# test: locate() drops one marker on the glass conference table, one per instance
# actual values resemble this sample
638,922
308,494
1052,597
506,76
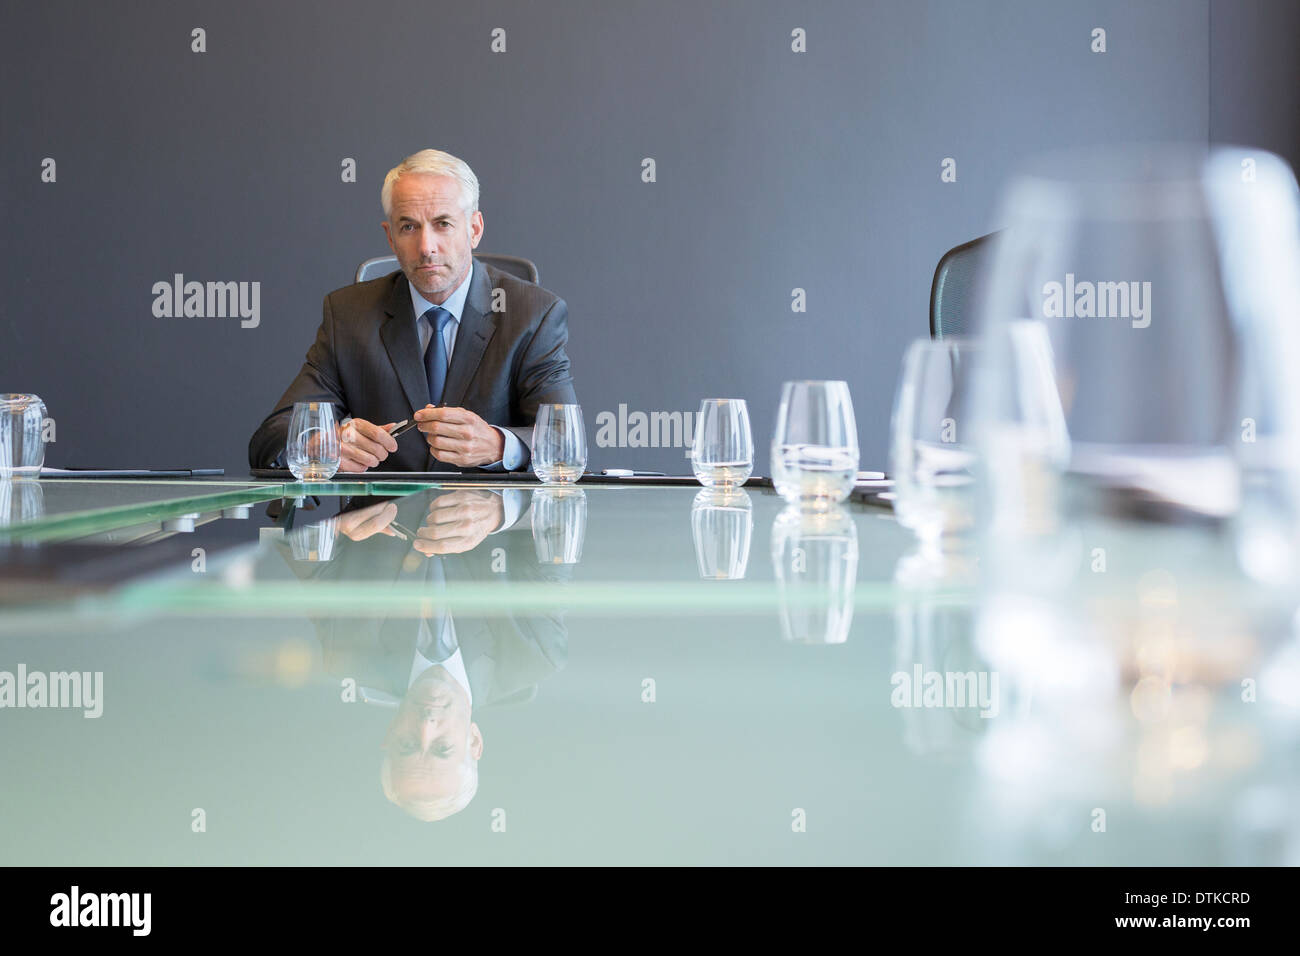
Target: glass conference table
477,673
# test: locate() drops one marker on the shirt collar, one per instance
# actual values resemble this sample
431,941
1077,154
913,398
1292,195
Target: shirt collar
455,666
455,303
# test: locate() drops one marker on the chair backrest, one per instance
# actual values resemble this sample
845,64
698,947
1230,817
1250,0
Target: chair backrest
518,267
953,291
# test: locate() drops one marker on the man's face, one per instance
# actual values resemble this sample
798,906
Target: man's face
431,234
431,742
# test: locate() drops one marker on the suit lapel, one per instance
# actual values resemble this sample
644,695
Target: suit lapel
476,330
403,344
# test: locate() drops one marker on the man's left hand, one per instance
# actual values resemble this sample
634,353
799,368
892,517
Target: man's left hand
459,437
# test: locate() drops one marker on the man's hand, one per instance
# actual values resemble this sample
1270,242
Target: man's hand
458,521
364,522
459,437
364,444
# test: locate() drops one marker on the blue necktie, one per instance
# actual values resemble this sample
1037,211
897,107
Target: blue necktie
435,356
439,645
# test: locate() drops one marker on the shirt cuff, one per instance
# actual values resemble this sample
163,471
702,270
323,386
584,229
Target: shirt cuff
513,455
512,505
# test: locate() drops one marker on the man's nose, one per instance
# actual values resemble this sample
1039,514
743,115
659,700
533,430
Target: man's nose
429,727
428,243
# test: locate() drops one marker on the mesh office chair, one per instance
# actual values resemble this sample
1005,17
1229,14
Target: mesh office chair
953,291
524,269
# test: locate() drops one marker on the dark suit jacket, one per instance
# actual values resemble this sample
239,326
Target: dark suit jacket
505,652
367,361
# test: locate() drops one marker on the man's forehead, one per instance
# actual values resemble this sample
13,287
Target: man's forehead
423,191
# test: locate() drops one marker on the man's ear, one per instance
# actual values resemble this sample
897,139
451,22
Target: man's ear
388,234
475,229
475,742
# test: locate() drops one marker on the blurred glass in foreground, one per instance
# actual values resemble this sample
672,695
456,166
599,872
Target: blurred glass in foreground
1166,282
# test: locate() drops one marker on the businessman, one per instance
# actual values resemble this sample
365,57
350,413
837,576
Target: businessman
464,349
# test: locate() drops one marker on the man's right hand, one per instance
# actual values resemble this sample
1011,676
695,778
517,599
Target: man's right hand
364,444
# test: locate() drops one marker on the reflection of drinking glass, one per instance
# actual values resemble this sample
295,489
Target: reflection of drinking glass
21,501
723,450
313,450
559,444
559,524
815,445
931,452
315,542
934,635
22,446
815,558
722,523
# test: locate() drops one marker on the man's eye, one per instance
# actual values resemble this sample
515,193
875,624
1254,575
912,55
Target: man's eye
407,227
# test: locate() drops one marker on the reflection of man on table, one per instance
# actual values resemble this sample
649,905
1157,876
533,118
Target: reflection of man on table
439,667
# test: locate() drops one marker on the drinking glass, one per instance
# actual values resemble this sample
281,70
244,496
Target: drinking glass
723,451
722,524
559,444
22,445
932,455
815,445
313,450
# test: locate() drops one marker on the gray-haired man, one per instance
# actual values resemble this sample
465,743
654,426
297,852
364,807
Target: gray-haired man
464,349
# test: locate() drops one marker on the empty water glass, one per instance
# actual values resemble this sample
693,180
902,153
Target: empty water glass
22,443
815,445
559,444
723,451
313,449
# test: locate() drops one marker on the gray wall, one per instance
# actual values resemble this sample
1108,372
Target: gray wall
775,170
